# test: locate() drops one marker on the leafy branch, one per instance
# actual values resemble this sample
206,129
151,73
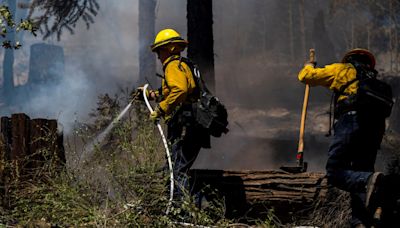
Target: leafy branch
7,24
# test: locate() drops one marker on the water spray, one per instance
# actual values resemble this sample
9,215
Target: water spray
171,194
100,138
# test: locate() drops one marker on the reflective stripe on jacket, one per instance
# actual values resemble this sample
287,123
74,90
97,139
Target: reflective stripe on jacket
333,76
177,86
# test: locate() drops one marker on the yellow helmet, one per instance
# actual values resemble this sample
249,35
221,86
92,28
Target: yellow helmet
168,36
366,55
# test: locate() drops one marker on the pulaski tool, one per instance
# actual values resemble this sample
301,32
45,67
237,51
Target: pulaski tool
301,165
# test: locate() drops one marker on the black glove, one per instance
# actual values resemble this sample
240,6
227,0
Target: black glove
138,94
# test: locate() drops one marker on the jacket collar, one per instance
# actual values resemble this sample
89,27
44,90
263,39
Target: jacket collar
169,59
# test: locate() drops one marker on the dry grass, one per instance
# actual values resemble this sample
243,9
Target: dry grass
122,185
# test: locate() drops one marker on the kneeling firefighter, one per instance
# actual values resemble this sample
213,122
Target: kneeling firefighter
361,103
175,101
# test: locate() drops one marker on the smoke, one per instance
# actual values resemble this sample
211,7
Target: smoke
67,100
103,59
258,53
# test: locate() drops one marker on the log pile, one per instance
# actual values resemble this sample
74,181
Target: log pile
252,192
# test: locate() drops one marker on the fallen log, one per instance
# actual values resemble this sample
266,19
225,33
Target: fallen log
253,193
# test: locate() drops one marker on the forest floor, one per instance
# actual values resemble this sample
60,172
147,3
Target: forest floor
121,182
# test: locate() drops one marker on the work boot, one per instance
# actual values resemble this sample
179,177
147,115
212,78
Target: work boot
374,197
374,190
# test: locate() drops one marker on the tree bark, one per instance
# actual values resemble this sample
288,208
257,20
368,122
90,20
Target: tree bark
29,143
147,60
244,190
200,37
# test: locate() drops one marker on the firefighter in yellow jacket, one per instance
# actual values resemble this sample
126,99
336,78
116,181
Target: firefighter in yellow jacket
175,99
357,134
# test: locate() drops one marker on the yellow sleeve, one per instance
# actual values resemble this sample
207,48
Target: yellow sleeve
178,87
318,76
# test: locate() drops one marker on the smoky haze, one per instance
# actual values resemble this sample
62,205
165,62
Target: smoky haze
100,60
259,50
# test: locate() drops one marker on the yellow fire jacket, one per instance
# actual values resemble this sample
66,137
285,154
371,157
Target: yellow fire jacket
332,76
177,86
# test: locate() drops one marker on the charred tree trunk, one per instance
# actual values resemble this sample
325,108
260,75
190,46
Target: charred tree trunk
8,62
147,61
28,144
200,36
46,70
28,148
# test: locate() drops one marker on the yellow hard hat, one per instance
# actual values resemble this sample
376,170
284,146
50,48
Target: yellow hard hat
369,57
168,36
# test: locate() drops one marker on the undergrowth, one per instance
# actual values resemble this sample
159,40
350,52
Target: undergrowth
120,182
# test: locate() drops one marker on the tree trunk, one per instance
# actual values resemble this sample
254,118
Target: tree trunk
396,37
22,14
29,143
322,41
200,37
291,34
27,148
46,64
8,62
302,30
147,60
391,36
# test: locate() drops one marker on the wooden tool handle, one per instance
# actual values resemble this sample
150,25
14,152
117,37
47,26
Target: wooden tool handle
304,110
303,119
312,55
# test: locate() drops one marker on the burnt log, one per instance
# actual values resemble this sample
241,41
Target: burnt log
250,193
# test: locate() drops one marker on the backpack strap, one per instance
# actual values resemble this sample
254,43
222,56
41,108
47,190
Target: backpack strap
196,75
344,87
333,104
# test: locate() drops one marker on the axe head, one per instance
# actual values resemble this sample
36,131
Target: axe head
296,168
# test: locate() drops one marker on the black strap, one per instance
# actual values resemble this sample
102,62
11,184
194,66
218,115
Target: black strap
196,75
344,87
334,99
331,106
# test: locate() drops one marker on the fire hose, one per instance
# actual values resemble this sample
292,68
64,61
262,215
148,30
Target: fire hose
171,194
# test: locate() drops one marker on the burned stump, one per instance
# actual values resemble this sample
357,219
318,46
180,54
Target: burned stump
29,144
46,64
252,193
